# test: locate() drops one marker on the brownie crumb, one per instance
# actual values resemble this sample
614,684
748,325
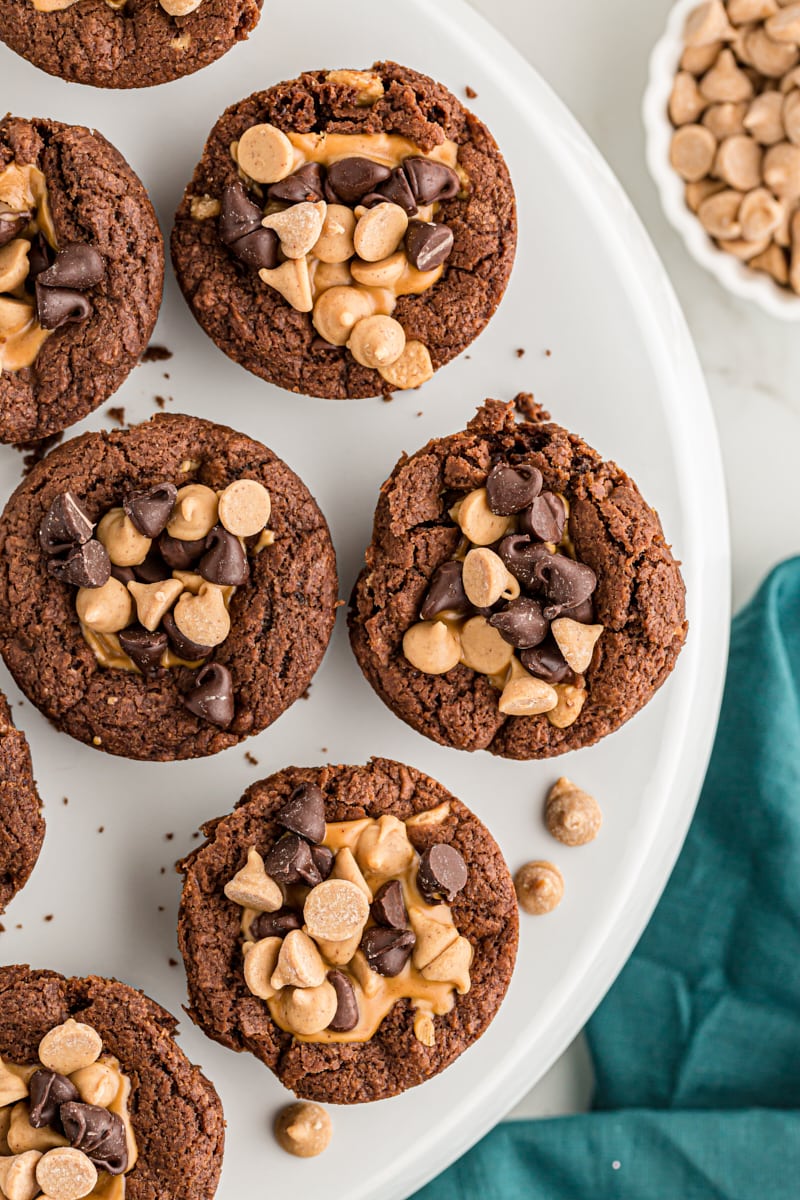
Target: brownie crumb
548,353
2,927
49,917
470,93
156,354
161,908
66,799
251,758
173,962
117,413
33,452
101,828
168,837
520,353
18,927
159,401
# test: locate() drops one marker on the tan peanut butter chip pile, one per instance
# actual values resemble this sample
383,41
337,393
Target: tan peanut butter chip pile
342,225
571,815
156,577
303,1129
341,920
64,1121
514,604
735,105
539,887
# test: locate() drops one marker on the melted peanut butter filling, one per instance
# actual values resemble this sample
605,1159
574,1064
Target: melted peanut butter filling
388,149
23,189
109,653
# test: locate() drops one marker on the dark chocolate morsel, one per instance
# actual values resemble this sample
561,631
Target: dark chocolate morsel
83,566
100,1134
144,648
565,583
545,519
225,561
306,184
521,556
48,1091
323,860
583,613
276,924
387,950
211,697
77,266
290,861
431,181
60,306
180,555
149,511
511,489
352,178
388,907
521,623
304,812
396,189
548,663
238,214
125,575
442,873
184,647
346,1016
445,592
258,249
65,524
40,257
152,570
428,245
11,225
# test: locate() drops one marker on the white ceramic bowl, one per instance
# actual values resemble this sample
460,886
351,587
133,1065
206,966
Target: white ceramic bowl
734,275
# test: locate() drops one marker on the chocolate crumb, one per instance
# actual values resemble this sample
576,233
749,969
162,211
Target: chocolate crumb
548,353
49,917
2,927
520,353
156,354
159,401
470,93
66,799
324,749
169,836
163,871
117,413
101,828
196,834
173,962
161,908
18,927
251,758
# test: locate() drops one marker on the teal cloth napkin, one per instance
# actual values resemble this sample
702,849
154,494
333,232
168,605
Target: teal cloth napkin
697,1045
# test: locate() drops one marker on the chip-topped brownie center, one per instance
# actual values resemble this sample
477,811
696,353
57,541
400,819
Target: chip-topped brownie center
342,920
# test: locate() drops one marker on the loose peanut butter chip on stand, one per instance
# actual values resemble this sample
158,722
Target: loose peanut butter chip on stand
252,887
18,1176
265,154
244,507
572,815
303,1129
335,910
66,1174
539,887
70,1046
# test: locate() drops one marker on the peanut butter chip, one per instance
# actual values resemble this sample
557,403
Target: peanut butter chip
452,966
740,12
265,154
707,23
763,119
725,120
298,227
66,1174
379,232
424,1030
260,961
572,815
335,910
106,609
346,867
525,696
482,647
303,1129
244,507
153,600
486,579
367,85
719,214
252,887
97,1084
125,545
179,8
576,642
383,848
382,273
686,103
760,214
203,618
411,369
477,521
539,887
18,1176
337,311
377,341
692,151
22,1136
335,242
14,264
571,700
11,1087
309,1010
194,514
782,170
434,931
432,647
299,964
14,315
293,282
70,1046
784,26
771,58
738,162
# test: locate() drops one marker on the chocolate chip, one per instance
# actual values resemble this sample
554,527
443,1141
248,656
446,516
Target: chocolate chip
258,249
521,623
40,256
304,812
48,1091
565,583
306,184
76,266
11,225
152,570
396,190
428,245
445,592
387,950
125,575
184,647
149,511
583,613
225,561
212,695
100,1134
290,861
83,566
323,860
59,306
388,907
346,1016
351,178
65,524
548,663
238,214
180,555
276,924
144,648
512,489
442,873
545,519
521,557
431,181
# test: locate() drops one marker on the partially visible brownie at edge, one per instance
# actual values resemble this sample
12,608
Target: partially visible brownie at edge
639,598
21,820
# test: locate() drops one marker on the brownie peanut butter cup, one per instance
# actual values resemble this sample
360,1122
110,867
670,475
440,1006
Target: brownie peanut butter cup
96,1097
81,274
348,232
125,43
353,927
518,594
166,590
21,821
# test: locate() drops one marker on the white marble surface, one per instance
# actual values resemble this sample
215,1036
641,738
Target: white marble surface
595,56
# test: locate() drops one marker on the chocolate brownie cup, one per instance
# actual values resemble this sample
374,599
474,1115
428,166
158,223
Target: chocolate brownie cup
353,927
348,232
21,821
518,594
81,274
166,590
96,1096
125,43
